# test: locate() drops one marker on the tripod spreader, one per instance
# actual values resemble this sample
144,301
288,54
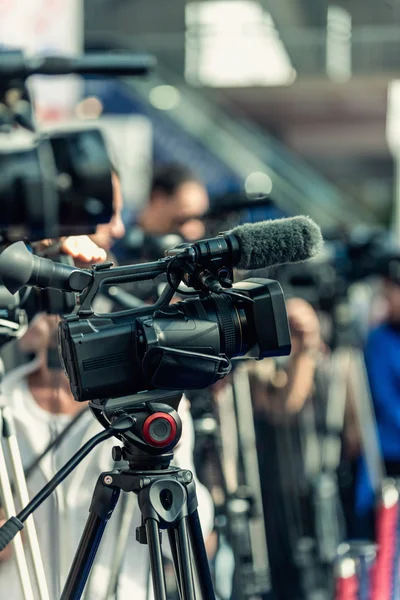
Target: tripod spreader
15,524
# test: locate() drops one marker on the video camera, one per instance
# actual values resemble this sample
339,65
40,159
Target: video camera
186,345
58,183
52,184
348,258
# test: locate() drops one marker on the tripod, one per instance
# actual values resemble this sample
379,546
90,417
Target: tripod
230,443
242,481
149,427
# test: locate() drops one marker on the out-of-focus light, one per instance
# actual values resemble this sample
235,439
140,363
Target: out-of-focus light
234,43
164,97
258,185
89,108
338,44
393,141
393,116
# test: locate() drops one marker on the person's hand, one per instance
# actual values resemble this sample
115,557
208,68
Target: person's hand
83,249
80,247
304,326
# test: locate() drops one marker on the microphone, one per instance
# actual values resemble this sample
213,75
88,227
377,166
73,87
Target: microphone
258,245
277,242
249,247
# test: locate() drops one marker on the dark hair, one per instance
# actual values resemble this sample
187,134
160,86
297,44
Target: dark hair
169,177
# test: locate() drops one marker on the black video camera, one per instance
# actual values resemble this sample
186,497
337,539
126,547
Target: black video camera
186,345
59,183
52,184
347,258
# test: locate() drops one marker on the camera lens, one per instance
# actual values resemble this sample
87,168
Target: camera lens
231,317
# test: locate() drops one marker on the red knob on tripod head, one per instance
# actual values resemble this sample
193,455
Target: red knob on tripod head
159,430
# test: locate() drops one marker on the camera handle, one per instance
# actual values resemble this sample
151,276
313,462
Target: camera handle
103,274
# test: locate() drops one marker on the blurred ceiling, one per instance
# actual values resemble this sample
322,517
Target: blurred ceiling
317,116
338,127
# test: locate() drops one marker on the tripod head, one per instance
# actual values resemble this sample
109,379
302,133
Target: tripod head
149,427
155,430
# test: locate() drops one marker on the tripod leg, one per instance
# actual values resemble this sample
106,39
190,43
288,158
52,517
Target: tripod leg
200,557
121,544
8,503
185,567
174,552
156,562
23,497
103,503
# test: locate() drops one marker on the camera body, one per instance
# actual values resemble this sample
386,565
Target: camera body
186,345
54,185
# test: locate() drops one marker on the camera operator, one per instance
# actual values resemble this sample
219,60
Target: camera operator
43,405
279,392
94,248
292,386
177,202
173,213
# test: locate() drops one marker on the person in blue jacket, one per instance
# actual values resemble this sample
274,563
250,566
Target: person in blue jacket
382,358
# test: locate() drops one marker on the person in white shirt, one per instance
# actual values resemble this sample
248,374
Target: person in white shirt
42,406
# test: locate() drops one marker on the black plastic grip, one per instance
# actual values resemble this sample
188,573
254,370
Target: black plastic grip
94,64
9,531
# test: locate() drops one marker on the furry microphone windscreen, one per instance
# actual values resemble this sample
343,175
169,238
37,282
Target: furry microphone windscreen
277,242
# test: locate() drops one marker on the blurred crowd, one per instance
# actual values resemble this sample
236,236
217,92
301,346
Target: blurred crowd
309,414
